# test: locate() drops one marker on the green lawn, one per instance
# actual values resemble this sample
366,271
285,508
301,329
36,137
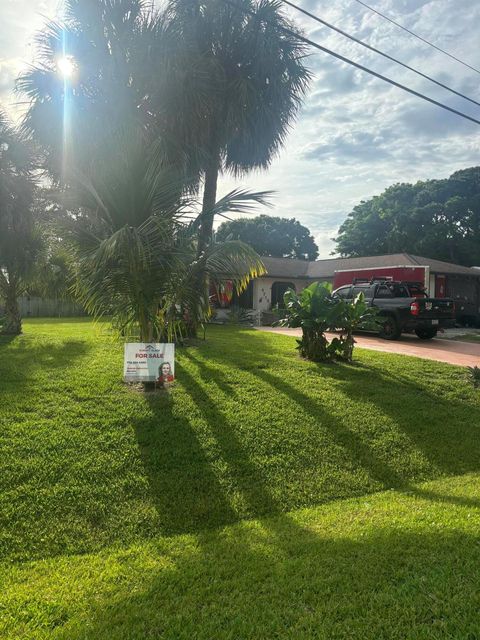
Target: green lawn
467,337
265,497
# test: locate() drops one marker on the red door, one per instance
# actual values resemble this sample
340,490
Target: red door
440,286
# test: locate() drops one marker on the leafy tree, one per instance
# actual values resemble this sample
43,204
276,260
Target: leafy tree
272,236
20,243
437,218
247,78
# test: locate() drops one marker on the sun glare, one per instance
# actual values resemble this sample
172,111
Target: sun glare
66,66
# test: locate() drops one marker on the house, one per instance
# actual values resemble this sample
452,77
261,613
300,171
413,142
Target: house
442,279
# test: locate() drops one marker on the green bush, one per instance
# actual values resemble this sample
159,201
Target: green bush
316,311
355,315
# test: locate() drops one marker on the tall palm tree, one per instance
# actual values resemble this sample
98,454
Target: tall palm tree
108,140
241,90
135,245
19,242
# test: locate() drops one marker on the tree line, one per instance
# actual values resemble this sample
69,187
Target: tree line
434,218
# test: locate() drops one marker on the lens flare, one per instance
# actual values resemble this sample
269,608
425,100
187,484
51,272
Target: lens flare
66,66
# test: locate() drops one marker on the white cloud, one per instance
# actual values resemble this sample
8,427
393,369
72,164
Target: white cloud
19,20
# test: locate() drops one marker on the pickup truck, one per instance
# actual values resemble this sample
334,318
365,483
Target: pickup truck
404,307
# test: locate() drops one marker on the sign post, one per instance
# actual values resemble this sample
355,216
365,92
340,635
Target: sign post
149,362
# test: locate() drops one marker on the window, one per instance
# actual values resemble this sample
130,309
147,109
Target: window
343,292
220,294
367,291
401,291
278,290
223,295
416,290
384,292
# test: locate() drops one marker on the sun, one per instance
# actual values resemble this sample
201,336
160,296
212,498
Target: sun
66,66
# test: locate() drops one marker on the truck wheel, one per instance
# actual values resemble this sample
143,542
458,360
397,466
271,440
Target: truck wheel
426,334
389,329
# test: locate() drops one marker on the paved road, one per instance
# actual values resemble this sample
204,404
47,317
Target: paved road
461,353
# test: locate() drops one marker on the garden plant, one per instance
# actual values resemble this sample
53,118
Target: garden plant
315,311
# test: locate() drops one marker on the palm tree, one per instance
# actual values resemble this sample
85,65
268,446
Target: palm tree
19,242
241,87
93,71
107,137
135,244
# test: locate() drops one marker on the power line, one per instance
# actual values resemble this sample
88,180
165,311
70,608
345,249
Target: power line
400,26
315,45
375,50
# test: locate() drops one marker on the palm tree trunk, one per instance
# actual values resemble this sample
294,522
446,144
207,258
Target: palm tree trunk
13,320
206,226
146,329
209,200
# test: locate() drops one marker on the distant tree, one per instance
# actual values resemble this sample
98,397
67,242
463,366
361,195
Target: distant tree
20,244
436,218
53,277
272,236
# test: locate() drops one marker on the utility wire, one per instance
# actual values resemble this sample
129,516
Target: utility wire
385,55
315,45
412,33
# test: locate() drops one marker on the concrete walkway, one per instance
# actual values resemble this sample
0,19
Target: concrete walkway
464,354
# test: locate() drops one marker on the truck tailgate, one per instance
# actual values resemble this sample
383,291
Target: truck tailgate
436,308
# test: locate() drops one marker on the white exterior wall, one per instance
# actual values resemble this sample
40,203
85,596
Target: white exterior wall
431,288
262,290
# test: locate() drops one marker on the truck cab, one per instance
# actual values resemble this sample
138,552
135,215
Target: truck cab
404,307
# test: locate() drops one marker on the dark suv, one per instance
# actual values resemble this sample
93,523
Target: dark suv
404,306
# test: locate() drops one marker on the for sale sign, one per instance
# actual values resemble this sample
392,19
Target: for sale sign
149,362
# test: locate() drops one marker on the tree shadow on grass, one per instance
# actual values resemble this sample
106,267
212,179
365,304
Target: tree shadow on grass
281,579
203,475
183,487
452,446
19,366
187,492
444,429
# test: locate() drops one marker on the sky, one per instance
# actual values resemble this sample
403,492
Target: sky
355,135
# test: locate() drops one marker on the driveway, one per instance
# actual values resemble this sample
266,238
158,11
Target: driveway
464,354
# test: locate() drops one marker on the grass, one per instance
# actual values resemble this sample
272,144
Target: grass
467,337
265,497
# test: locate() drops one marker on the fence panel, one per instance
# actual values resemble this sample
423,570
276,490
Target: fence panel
33,307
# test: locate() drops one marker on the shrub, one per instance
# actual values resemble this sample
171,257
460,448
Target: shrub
354,316
316,311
